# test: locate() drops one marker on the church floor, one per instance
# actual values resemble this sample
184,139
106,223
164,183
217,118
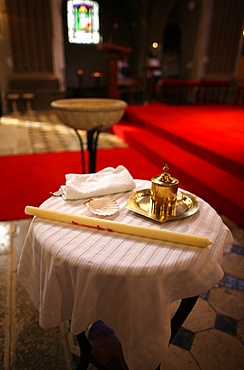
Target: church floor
211,338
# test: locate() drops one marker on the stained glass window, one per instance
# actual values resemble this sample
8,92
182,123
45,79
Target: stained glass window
83,22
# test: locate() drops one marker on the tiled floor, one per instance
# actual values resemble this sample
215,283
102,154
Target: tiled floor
211,338
39,132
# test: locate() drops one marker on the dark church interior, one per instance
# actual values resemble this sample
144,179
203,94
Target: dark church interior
177,68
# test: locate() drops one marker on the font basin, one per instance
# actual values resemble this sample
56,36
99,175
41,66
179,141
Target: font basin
89,113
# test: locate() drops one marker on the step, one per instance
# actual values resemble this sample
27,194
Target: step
219,188
218,141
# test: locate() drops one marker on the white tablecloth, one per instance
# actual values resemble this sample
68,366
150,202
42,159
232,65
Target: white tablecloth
83,275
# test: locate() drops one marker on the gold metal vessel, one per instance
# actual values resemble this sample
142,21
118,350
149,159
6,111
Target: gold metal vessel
164,195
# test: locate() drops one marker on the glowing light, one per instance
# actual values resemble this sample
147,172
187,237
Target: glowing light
155,45
80,72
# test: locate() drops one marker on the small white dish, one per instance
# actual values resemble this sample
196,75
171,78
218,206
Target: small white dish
102,206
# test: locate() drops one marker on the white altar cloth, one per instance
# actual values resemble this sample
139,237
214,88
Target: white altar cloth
83,275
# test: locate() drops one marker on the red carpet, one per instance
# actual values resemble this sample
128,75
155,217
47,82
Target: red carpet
203,146
28,179
215,133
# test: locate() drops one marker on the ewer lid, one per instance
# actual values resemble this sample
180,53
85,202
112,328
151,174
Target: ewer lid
165,179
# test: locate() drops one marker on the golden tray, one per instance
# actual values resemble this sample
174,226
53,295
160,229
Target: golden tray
139,202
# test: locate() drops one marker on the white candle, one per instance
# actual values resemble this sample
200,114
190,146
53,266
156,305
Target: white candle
112,226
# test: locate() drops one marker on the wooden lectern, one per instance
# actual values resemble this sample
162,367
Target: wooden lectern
114,52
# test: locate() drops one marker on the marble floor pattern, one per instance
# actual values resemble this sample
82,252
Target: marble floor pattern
211,338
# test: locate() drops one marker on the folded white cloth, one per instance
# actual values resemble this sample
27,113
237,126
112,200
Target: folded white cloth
107,181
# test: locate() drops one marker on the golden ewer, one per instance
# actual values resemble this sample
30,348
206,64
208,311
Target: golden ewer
163,195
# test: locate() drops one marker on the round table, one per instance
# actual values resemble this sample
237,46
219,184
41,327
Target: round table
84,275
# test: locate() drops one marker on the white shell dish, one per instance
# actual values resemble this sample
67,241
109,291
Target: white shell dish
102,206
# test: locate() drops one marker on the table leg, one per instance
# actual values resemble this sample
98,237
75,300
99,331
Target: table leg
85,351
181,314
